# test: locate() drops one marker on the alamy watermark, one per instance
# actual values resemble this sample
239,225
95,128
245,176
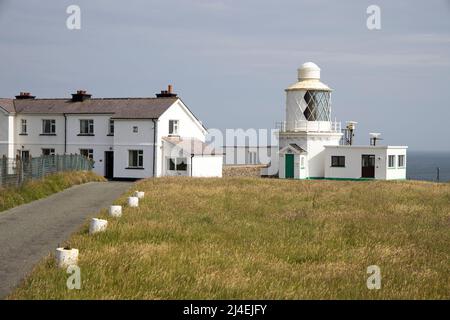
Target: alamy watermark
73,21
374,280
74,280
374,19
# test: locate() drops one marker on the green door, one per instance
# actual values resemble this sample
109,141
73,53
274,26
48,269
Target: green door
289,166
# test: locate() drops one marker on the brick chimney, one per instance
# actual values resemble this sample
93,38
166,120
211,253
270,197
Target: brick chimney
80,96
25,95
167,93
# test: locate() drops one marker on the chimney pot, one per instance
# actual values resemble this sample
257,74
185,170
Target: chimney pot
25,95
81,95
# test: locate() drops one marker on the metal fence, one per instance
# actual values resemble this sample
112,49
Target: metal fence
14,172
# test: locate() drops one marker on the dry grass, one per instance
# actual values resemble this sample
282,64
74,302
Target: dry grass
37,189
244,238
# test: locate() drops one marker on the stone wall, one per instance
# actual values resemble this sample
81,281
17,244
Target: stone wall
242,170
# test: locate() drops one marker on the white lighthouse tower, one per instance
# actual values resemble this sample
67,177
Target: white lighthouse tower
308,127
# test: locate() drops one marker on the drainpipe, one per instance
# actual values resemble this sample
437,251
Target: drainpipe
65,133
154,145
192,156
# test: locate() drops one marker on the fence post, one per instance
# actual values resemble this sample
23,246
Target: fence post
43,166
4,167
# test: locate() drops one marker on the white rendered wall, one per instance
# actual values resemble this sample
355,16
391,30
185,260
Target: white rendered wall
316,155
396,173
299,171
99,142
6,135
314,144
34,141
353,155
125,139
207,166
188,127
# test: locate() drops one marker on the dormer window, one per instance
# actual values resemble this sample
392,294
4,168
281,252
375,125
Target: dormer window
173,127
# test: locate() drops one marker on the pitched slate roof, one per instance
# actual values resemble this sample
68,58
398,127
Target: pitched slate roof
297,147
294,146
121,108
7,105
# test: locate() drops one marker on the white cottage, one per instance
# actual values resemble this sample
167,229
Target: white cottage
126,137
312,146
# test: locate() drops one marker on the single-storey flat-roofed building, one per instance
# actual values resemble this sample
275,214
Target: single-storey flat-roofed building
125,137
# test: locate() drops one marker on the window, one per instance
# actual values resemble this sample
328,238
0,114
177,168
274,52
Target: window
401,161
172,163
48,152
135,158
391,161
86,126
23,127
48,126
338,161
173,127
181,164
25,154
111,127
317,106
177,164
88,153
135,129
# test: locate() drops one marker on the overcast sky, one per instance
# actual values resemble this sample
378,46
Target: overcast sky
231,60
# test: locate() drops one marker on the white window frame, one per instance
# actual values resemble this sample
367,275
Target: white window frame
51,151
23,126
52,126
403,162
391,165
177,161
111,127
88,152
338,165
139,158
90,126
175,126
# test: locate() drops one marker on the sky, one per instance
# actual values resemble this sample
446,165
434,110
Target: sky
230,60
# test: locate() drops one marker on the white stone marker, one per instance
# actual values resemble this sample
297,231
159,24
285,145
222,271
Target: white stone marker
133,202
66,257
97,225
139,194
115,211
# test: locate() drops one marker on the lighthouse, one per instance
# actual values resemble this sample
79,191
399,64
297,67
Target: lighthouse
313,146
308,127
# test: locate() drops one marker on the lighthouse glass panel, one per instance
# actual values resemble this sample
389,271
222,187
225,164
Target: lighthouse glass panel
317,106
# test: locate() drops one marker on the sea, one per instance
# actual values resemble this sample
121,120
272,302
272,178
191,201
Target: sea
423,165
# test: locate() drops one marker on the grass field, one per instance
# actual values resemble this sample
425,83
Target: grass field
37,189
263,239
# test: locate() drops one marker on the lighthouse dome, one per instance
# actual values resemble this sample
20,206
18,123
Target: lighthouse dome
309,79
308,71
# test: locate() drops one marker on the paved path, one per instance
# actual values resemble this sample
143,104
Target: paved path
31,231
